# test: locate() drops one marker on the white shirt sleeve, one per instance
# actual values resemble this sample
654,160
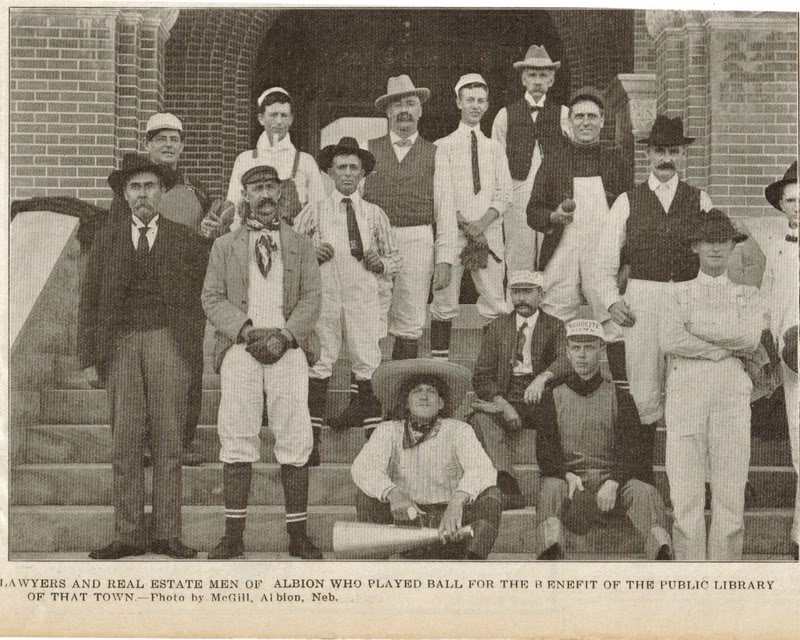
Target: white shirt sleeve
235,183
479,472
315,188
446,242
612,240
370,469
705,202
501,198
500,127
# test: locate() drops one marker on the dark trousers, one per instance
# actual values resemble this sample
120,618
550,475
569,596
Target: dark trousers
148,378
196,366
483,514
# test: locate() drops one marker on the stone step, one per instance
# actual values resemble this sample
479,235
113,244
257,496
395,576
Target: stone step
70,529
330,484
61,443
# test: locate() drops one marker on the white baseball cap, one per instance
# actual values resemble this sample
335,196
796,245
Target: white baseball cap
264,94
160,121
585,328
524,279
470,78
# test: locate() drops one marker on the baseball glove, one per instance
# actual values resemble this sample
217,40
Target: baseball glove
267,345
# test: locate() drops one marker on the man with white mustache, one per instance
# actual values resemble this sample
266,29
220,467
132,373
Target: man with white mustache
646,235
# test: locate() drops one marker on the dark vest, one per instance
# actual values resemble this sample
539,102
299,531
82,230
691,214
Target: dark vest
523,133
656,245
404,190
143,306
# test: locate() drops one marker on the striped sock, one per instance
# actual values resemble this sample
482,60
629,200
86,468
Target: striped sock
236,478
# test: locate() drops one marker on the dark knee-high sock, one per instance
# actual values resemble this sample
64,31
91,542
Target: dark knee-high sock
616,363
236,478
295,491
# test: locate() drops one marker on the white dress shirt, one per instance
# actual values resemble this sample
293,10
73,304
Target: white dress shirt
401,151
151,233
525,367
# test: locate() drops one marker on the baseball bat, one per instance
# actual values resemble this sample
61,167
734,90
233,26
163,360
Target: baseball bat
353,540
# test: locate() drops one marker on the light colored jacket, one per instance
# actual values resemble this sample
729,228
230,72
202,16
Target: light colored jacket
225,289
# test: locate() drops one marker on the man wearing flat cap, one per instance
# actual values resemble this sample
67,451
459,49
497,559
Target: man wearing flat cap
422,466
521,353
262,294
710,329
528,130
585,447
409,187
298,170
646,234
477,177
777,239
572,195
354,245
139,297
187,202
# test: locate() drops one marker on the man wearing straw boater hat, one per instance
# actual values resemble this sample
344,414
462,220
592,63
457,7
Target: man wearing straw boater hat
710,329
408,187
585,447
422,466
528,129
355,245
301,179
477,177
647,228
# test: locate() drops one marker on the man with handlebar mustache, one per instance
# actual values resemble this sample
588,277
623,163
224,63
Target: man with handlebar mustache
647,235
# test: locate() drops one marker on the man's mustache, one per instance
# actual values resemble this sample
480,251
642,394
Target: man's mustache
265,200
143,204
405,116
666,165
523,305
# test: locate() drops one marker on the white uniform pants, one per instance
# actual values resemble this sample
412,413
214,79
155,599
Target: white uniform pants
790,393
708,423
522,242
405,303
644,360
488,282
349,293
244,383
570,271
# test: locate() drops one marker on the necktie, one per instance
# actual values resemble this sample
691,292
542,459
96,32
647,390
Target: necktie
143,248
404,142
521,342
535,108
265,245
353,235
476,171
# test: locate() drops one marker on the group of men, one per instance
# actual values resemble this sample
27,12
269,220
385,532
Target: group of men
546,219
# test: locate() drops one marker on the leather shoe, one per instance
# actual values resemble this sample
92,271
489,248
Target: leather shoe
228,548
553,552
173,548
664,553
300,546
115,551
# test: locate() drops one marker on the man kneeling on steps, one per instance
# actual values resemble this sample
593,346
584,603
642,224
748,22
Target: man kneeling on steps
585,447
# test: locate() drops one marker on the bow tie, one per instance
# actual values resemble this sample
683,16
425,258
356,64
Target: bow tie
791,238
535,108
404,142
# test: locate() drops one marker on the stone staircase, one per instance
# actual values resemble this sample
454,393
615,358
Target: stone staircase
61,482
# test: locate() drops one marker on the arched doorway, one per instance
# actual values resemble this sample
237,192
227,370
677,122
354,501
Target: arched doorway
335,63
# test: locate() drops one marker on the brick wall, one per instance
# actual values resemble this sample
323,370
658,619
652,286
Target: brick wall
644,55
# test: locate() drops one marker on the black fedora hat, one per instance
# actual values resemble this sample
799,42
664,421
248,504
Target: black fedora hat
667,132
714,226
133,163
774,192
347,146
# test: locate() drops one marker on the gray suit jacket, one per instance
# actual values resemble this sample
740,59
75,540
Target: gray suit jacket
225,289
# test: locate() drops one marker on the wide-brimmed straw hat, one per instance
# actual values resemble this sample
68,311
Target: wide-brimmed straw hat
399,87
774,192
392,378
537,58
347,146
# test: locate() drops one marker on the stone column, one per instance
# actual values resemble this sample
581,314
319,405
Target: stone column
631,98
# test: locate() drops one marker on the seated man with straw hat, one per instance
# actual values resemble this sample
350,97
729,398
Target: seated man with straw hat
424,467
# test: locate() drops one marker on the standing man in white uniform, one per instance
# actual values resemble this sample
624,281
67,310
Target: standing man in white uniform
409,187
355,244
477,177
274,148
646,233
262,294
528,129
708,328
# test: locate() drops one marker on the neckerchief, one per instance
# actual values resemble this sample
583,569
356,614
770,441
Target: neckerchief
265,245
415,433
584,387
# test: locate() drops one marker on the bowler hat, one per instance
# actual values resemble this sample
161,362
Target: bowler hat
399,87
133,163
537,58
713,226
347,146
392,378
667,132
774,192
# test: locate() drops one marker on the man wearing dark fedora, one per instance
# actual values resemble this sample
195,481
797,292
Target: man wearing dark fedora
710,329
424,467
585,444
777,239
528,130
646,234
354,245
572,195
262,294
409,187
139,296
